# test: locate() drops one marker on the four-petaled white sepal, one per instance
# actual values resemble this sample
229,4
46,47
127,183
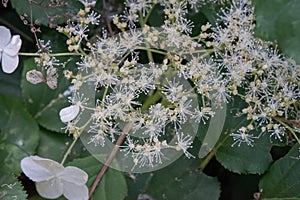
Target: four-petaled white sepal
9,48
53,180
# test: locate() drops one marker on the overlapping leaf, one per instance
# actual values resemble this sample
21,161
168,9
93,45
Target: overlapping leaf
47,11
10,187
180,180
41,101
18,134
279,21
282,180
243,159
112,186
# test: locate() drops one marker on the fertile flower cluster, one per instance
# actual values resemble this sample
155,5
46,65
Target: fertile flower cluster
264,79
152,101
154,105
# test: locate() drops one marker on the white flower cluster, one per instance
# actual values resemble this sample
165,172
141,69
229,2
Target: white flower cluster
267,81
154,103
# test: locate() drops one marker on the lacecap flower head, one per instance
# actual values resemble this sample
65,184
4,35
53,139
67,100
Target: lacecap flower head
53,179
9,48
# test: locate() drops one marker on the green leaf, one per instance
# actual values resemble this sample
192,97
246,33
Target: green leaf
112,186
42,102
180,180
210,11
45,12
18,134
10,83
10,188
282,180
198,18
187,184
278,20
243,159
232,121
240,159
246,159
53,146
214,130
156,18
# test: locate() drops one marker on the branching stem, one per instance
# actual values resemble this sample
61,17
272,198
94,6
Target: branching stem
51,54
74,141
110,158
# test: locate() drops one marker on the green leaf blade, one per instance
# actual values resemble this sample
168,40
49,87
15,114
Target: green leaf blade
19,134
180,180
278,21
282,180
46,14
246,159
42,102
11,188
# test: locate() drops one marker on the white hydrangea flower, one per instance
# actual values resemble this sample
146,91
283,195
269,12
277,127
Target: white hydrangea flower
9,48
69,113
53,179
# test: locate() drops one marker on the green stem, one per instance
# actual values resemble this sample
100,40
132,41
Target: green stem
110,158
69,150
203,101
290,129
104,95
149,53
208,51
150,101
149,12
81,52
212,153
74,141
205,51
195,37
151,50
143,22
141,19
51,54
124,57
48,106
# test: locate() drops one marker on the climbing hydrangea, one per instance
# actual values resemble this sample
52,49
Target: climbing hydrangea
153,102
145,90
